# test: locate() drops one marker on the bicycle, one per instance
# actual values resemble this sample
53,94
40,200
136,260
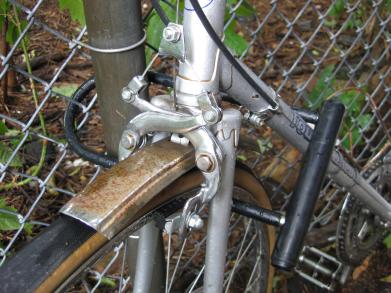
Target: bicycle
168,182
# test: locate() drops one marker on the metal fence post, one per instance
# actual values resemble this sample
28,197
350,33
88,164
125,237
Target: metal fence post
114,24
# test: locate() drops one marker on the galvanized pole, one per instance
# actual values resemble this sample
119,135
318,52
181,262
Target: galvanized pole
111,25
118,24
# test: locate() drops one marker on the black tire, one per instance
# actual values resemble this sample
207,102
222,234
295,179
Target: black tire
52,257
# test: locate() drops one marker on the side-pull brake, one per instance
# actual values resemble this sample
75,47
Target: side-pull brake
159,115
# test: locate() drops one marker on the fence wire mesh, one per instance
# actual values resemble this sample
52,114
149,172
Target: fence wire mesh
308,51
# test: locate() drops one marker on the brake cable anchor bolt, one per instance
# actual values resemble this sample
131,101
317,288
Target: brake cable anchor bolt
127,95
172,33
133,89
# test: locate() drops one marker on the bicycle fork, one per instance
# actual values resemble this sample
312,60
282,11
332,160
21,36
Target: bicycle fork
197,92
220,206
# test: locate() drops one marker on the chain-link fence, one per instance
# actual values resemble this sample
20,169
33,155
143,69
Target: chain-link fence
308,51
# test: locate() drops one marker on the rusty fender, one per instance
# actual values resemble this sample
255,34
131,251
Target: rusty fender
116,195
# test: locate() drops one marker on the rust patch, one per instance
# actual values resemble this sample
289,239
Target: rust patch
118,194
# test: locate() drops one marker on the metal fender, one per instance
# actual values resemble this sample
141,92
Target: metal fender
117,194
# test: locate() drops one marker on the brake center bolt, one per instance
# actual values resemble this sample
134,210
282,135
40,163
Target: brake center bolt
195,222
210,116
205,163
128,141
172,33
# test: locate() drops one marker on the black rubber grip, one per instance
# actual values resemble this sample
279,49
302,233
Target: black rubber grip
301,205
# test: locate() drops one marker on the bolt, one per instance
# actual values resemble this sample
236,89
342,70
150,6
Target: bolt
127,95
128,141
172,33
195,222
253,119
210,116
282,220
205,163
366,211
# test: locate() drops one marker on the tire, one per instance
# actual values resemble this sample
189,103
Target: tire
58,254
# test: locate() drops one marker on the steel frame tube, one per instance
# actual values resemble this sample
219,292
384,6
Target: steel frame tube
149,266
297,132
220,206
149,273
200,71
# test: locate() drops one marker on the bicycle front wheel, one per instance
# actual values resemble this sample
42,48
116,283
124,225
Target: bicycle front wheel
70,256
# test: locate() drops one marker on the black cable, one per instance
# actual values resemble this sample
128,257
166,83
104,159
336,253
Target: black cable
160,78
73,109
70,129
213,35
160,12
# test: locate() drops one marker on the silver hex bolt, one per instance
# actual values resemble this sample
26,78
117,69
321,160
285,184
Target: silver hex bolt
205,163
211,116
172,33
195,222
128,141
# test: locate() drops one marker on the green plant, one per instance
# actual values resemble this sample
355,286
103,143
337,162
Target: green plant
34,170
337,11
357,18
353,99
7,19
6,149
387,241
75,8
264,145
65,89
9,220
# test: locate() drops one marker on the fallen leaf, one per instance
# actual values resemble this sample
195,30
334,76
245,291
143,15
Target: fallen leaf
362,268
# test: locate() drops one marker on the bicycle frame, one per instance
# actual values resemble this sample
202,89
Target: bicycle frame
202,59
298,133
204,69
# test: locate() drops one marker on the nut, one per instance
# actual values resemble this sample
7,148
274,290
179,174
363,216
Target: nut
127,95
195,222
205,163
210,116
128,141
172,33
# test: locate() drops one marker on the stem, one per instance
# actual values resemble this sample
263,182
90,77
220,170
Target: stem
37,168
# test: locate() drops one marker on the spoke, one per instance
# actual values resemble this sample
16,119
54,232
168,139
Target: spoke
245,252
256,265
85,283
250,289
197,249
123,265
234,224
168,261
238,254
177,264
196,279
